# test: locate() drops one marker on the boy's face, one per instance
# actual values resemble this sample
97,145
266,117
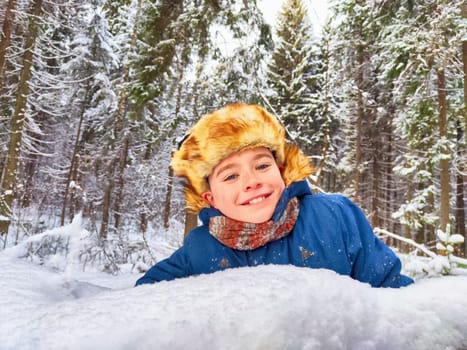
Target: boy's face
246,185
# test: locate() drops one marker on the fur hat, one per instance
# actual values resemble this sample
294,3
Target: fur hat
228,130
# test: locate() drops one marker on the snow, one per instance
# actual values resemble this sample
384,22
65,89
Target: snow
318,11
57,305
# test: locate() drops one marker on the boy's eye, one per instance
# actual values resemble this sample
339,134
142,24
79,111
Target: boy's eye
263,166
230,177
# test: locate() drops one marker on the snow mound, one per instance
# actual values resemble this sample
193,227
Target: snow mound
265,307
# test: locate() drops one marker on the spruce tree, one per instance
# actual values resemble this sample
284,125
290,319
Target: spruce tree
290,76
422,59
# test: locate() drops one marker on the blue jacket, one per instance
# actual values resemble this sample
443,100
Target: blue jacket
331,232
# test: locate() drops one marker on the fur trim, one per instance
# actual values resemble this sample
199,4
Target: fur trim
297,166
226,131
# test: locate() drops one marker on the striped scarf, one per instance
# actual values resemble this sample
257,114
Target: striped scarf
248,236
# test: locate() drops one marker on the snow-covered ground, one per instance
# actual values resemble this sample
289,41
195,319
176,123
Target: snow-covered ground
56,305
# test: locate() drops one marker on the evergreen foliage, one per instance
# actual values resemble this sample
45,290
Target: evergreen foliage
376,100
292,74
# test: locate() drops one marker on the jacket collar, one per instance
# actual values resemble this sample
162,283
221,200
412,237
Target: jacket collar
296,189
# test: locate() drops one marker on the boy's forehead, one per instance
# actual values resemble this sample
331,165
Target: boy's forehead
237,157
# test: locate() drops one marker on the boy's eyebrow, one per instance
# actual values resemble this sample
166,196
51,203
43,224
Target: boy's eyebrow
224,168
234,164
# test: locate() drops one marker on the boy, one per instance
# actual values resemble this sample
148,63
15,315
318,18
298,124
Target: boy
248,186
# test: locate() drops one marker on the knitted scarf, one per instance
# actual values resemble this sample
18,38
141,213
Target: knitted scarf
248,236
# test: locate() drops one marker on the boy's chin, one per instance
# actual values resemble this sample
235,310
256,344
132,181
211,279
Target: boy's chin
256,218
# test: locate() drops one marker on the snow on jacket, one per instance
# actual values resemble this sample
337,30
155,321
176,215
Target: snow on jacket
331,232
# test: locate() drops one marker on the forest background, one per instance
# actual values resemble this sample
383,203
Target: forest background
96,94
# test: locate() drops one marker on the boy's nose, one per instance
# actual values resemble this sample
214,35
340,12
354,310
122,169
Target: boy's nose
252,183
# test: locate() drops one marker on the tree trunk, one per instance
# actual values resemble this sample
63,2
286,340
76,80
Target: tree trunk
168,196
464,62
388,185
444,163
106,199
460,190
74,180
191,221
121,180
409,233
358,137
74,155
429,230
17,122
327,117
376,150
143,215
375,201
7,29
24,196
110,173
123,152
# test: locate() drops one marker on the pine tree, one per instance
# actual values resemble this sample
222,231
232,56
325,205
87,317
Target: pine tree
7,29
354,54
157,47
326,119
18,120
290,76
234,69
423,60
86,76
368,137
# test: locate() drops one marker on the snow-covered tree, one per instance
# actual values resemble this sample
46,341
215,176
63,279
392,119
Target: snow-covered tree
365,109
18,121
291,74
423,57
324,139
89,100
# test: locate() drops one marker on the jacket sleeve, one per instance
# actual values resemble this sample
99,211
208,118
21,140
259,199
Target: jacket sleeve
372,260
176,266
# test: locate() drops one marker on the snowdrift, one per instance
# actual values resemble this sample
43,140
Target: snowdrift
266,307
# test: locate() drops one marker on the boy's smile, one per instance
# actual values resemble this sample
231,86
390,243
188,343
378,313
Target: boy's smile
246,185
256,200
